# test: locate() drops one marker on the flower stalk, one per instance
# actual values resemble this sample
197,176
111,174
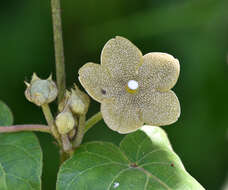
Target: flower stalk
92,121
80,131
58,44
49,118
29,127
67,146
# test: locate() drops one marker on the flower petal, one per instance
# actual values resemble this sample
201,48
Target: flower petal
96,81
160,108
121,117
159,71
121,57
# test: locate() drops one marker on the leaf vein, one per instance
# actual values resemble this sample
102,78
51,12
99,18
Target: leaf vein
4,173
12,175
75,177
154,177
147,182
140,146
151,152
111,161
151,163
116,176
24,150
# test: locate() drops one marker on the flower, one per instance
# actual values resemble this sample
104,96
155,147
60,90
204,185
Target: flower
133,89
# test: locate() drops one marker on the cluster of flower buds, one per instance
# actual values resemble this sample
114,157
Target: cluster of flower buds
74,104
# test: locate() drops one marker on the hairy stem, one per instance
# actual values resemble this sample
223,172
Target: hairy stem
80,131
29,127
58,43
92,121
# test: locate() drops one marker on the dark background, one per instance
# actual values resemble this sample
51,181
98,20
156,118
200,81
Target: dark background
194,31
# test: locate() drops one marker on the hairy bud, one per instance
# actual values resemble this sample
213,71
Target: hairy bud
75,100
79,101
41,91
65,122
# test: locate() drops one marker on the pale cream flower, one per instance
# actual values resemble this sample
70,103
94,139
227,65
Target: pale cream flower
133,89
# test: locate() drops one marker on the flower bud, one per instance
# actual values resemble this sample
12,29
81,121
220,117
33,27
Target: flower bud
79,101
76,100
41,91
65,122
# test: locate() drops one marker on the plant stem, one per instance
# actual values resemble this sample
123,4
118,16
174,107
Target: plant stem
58,43
92,121
80,131
49,118
47,114
67,146
66,150
63,156
30,127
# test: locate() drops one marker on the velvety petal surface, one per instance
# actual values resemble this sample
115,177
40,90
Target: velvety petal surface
160,108
121,57
121,116
96,81
159,71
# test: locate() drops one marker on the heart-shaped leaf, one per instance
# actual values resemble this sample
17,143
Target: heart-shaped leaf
20,157
144,161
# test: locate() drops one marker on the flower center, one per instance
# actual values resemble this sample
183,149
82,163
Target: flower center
132,86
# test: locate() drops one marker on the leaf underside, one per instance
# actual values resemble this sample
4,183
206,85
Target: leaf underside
143,161
20,157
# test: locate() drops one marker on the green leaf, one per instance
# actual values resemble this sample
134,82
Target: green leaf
6,117
20,157
144,161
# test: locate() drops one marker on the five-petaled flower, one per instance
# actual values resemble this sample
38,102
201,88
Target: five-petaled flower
133,89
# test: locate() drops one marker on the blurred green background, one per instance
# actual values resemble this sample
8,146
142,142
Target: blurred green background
194,31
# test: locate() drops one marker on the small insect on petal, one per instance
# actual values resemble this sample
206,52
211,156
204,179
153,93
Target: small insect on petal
132,86
103,91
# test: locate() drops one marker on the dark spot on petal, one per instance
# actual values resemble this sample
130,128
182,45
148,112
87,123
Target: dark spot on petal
103,91
172,165
133,165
